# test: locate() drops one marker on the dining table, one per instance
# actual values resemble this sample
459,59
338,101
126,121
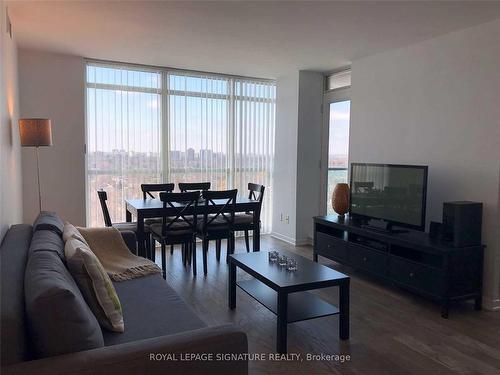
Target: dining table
147,208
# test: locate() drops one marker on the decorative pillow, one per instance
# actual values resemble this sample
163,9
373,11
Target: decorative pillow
48,221
95,285
60,320
70,231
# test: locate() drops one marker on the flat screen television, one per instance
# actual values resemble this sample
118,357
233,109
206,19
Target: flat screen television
393,193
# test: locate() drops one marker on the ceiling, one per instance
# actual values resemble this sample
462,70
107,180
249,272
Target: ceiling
260,39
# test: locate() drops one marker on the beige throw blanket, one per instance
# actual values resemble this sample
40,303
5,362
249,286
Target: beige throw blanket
120,264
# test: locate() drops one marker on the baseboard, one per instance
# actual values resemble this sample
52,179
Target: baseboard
292,241
491,304
304,241
284,238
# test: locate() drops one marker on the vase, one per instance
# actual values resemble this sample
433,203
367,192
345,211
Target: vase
340,199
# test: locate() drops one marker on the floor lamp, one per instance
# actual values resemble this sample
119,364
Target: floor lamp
36,132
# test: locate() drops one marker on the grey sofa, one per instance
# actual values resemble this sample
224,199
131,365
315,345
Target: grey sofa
157,321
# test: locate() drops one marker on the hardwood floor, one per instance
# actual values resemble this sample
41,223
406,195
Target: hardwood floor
392,330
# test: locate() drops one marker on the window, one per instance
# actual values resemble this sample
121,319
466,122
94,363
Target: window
338,146
123,136
198,128
162,125
338,80
253,139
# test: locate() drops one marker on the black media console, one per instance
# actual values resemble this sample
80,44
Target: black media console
411,259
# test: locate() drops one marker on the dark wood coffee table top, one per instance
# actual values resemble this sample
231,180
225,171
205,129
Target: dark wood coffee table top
285,293
309,274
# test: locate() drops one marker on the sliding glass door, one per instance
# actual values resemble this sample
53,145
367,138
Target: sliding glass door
159,125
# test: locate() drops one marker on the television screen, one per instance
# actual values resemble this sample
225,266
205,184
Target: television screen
395,193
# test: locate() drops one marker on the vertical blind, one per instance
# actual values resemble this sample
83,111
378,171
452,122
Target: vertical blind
123,135
198,124
152,125
254,114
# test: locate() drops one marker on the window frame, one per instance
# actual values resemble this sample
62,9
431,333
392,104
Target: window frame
338,72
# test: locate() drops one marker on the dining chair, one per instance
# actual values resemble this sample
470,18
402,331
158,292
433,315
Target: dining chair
245,221
218,224
123,226
179,228
149,189
192,186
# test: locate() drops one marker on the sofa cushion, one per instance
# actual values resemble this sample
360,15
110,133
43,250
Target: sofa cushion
13,256
59,319
70,231
48,221
47,240
150,309
95,284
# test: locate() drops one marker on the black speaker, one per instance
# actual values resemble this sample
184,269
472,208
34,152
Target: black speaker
462,223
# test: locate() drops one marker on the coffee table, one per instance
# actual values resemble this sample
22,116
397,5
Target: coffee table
285,293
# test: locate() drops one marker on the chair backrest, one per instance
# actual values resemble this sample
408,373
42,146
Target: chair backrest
147,189
192,186
181,221
103,197
256,192
226,206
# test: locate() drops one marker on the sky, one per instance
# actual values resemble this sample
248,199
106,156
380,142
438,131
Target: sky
339,128
131,120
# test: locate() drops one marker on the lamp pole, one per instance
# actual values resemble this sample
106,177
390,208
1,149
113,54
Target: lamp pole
38,175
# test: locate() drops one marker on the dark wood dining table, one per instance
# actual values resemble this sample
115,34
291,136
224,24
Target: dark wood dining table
151,208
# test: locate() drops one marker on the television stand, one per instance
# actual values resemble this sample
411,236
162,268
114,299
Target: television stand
429,267
382,226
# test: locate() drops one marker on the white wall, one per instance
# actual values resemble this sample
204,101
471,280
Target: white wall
438,103
285,158
52,85
10,153
310,124
296,180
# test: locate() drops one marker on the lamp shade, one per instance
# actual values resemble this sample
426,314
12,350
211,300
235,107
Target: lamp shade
35,132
